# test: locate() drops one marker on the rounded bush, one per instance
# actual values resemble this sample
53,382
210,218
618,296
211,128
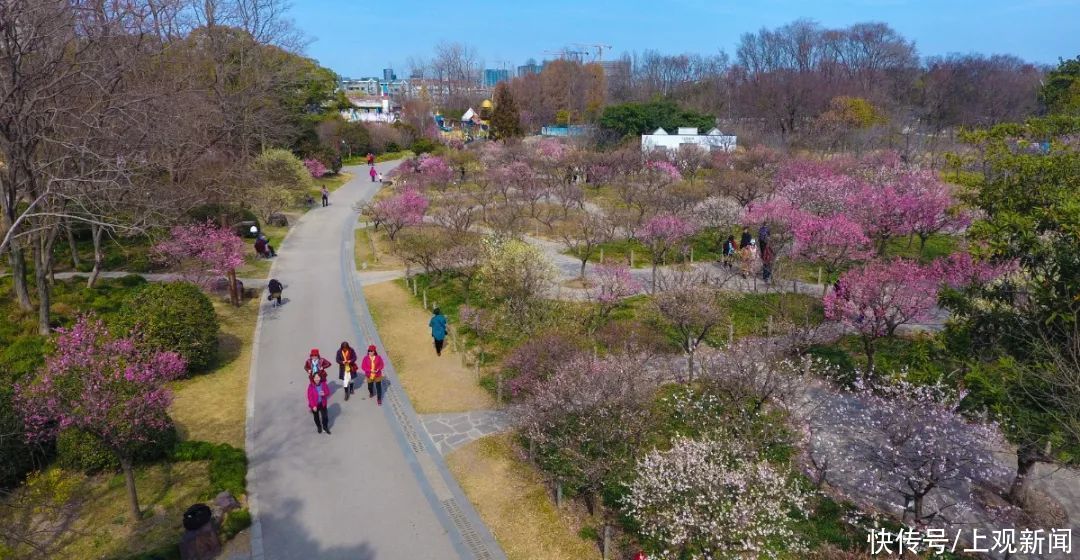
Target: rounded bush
234,522
81,451
177,317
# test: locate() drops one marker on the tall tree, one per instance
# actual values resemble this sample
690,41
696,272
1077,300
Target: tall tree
106,386
506,119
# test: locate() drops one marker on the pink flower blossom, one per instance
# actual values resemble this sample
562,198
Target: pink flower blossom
203,251
315,167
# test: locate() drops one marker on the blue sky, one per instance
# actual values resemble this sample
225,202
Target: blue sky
356,38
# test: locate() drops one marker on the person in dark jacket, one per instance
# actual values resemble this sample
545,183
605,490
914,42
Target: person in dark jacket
728,251
318,398
275,288
763,239
346,359
438,330
744,241
767,259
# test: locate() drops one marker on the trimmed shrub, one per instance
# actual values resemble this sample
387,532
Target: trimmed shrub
234,522
423,146
217,212
81,451
175,316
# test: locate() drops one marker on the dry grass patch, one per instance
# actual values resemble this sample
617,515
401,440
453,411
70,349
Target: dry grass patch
513,501
211,407
434,384
98,524
373,251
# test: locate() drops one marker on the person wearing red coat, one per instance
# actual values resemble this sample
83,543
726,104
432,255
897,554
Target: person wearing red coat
347,368
315,363
318,398
372,365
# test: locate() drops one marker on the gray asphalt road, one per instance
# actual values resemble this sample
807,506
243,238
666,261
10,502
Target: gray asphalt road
375,489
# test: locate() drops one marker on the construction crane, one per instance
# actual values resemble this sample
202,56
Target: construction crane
568,54
599,50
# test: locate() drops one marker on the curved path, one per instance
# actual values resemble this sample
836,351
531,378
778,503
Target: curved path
375,489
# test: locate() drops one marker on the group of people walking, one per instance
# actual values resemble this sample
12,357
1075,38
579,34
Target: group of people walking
749,252
349,367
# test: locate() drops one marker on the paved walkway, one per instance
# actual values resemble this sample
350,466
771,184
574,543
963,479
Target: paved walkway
375,489
450,431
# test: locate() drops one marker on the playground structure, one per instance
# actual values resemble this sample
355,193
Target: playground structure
469,127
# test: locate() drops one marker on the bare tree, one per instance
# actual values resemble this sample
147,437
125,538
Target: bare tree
693,310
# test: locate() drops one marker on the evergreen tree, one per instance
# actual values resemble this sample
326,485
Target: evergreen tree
505,120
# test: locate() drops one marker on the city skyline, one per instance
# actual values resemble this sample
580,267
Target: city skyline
506,35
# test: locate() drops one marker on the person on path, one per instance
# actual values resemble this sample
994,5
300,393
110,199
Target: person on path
767,258
346,359
372,365
370,158
318,398
275,288
763,239
325,197
315,363
747,258
438,330
744,241
729,250
373,173
269,247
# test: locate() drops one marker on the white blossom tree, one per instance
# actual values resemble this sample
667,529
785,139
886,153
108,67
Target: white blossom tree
714,498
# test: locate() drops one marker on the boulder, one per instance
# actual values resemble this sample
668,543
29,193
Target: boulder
200,544
224,503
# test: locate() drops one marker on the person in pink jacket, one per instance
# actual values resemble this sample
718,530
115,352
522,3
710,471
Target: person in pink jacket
372,364
318,398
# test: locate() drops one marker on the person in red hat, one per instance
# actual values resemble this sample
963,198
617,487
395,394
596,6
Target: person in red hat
373,371
315,363
318,398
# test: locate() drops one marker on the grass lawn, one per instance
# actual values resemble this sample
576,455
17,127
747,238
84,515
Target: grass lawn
120,253
705,245
372,251
211,407
434,383
100,525
331,182
923,356
513,501
937,245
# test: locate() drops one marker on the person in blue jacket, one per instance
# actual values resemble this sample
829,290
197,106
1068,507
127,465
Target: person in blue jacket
438,330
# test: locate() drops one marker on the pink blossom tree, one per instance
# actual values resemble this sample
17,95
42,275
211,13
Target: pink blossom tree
664,233
203,252
833,241
434,171
714,498
406,208
879,296
612,284
105,386
315,167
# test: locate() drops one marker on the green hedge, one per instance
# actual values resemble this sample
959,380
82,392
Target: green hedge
78,450
235,521
175,316
228,465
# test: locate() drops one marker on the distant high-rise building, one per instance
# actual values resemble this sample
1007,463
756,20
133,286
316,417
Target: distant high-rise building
530,67
388,74
493,76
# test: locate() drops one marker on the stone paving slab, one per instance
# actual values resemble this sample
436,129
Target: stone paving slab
452,430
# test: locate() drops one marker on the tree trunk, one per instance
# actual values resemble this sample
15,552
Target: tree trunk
41,278
71,246
654,277
234,293
17,260
868,347
133,495
95,232
1026,457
